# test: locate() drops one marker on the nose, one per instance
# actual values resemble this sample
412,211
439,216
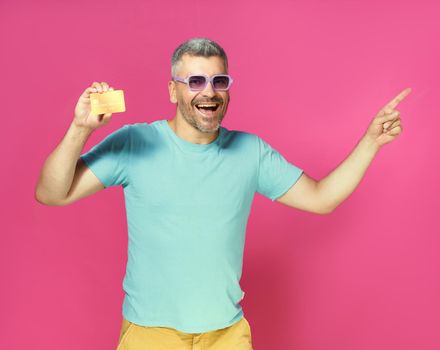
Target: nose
208,90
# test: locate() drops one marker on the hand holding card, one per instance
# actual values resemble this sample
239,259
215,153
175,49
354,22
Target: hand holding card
107,102
96,105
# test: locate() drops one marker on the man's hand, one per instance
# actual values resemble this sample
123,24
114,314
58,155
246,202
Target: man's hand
386,126
83,112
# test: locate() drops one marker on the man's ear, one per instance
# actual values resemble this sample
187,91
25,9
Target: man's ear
172,91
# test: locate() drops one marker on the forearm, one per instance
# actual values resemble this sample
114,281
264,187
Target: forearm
341,182
59,168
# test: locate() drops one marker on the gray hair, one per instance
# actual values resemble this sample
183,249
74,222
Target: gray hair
197,47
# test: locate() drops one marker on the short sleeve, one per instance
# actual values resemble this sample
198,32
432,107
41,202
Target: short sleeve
275,174
109,159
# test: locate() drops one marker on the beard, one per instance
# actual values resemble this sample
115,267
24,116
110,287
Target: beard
203,124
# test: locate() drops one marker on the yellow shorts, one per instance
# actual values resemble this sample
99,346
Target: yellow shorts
136,337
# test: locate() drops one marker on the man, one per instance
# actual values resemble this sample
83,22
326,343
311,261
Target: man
188,186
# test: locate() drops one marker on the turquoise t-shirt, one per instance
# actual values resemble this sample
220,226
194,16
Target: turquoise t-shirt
187,209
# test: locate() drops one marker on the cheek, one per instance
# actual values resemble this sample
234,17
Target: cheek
184,101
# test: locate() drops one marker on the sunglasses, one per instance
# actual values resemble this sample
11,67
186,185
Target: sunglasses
220,82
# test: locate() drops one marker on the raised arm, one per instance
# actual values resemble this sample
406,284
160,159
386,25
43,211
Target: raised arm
64,177
325,195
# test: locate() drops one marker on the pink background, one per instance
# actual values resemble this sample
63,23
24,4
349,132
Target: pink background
309,78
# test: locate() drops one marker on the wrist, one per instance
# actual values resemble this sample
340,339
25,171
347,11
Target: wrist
369,144
78,131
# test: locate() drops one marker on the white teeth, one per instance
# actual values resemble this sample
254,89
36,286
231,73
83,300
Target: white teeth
206,105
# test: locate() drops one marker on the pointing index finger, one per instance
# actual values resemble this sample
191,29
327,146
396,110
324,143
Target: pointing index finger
396,100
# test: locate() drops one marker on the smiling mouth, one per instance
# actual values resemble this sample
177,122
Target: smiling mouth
207,109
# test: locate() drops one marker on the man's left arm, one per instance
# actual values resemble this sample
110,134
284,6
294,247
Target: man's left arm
325,195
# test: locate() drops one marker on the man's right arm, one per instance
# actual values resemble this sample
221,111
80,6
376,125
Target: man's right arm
64,177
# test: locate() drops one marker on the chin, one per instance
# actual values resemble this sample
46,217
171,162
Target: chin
214,126
210,131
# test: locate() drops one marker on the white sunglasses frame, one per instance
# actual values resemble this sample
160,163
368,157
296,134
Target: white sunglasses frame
207,80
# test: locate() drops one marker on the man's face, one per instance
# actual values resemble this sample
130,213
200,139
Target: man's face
206,122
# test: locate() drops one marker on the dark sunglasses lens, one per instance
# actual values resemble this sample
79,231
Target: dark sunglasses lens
197,82
221,83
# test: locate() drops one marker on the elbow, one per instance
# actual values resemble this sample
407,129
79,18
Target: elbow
40,198
50,202
326,206
329,210
326,210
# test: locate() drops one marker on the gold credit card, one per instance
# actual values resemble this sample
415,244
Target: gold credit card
107,102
